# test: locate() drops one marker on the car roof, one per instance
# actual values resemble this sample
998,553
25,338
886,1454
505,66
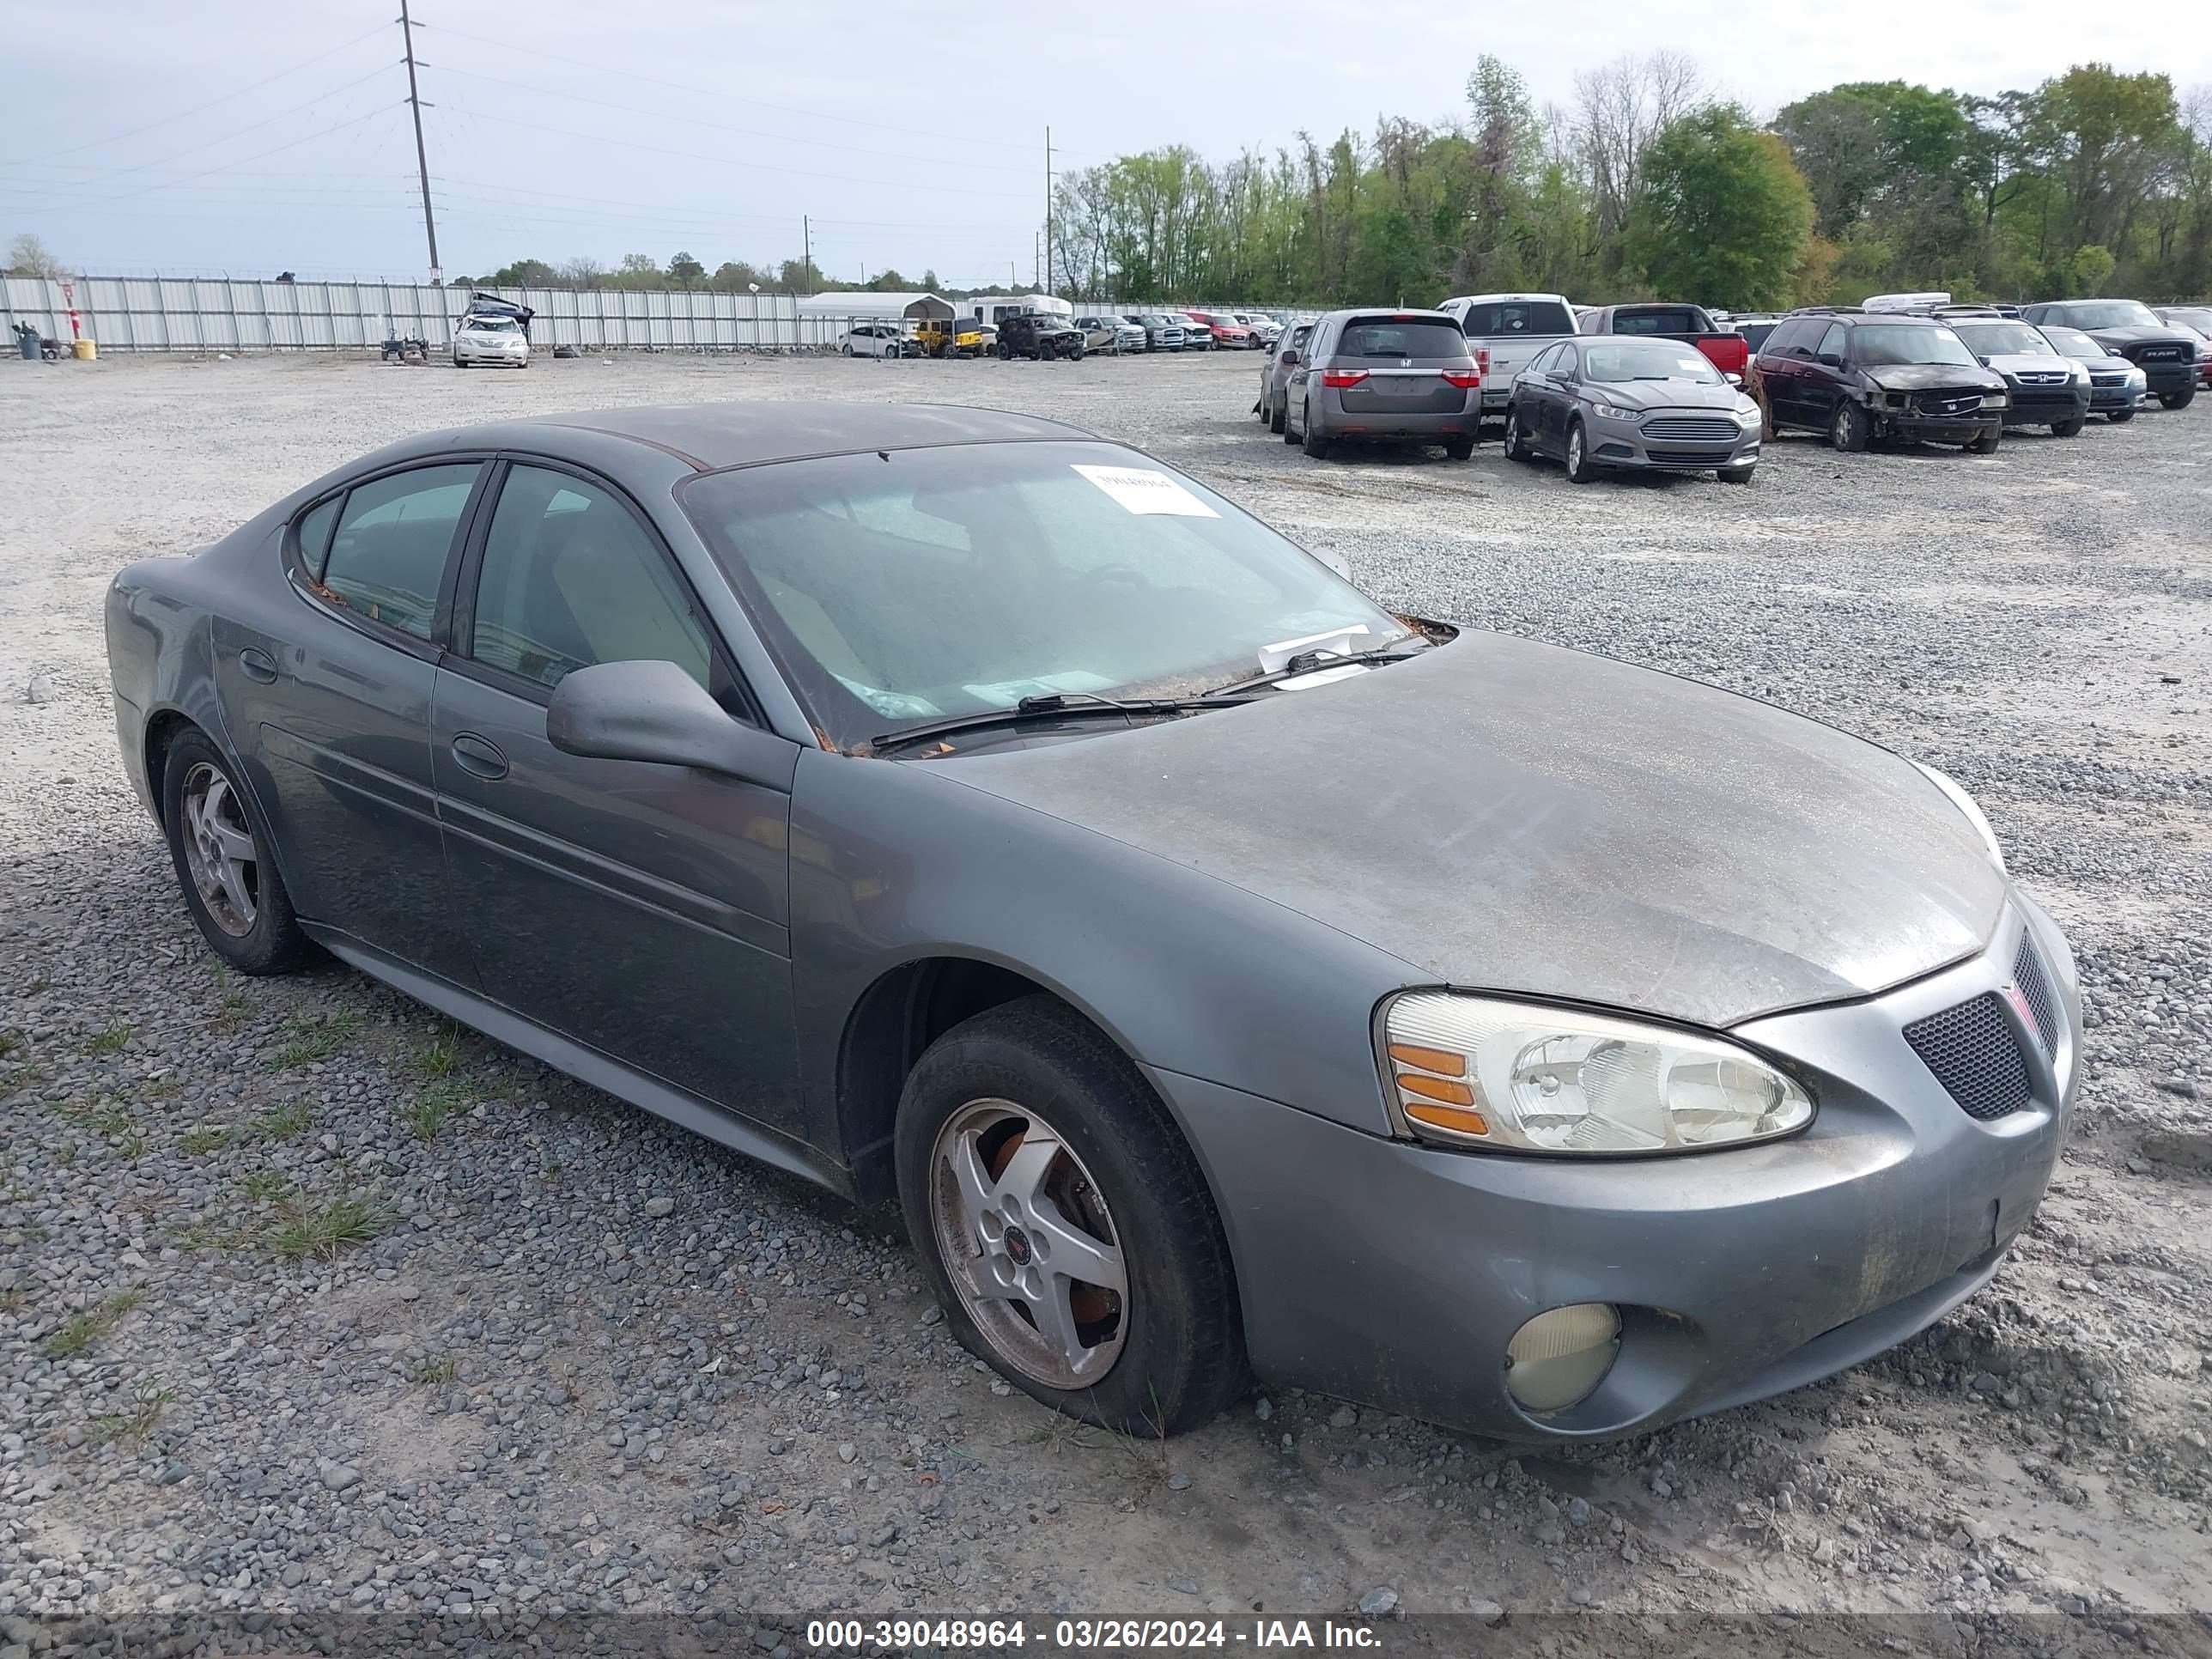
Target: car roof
709,436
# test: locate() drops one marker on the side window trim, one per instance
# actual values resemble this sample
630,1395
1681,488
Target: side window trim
468,570
310,589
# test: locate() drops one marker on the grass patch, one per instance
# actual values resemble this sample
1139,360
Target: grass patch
200,1142
131,1427
65,1155
162,1088
444,1369
433,1105
108,1041
264,1185
283,1122
87,1325
441,1055
336,1227
9,1043
309,1040
211,1236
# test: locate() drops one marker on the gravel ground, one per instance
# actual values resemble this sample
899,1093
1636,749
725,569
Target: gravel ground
308,1301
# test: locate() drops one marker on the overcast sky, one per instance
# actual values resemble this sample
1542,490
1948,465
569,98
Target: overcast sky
250,135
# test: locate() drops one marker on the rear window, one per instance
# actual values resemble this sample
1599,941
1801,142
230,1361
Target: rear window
1665,320
1382,336
1518,316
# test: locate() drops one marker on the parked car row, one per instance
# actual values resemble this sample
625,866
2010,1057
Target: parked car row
1673,387
1043,334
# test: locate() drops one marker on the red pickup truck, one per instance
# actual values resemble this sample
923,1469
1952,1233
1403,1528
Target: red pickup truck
1726,351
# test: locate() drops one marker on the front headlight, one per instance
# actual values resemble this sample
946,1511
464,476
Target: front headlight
1480,1072
1995,400
1967,804
1748,416
1607,411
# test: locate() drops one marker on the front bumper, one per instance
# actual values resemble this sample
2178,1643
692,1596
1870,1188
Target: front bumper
498,359
2105,399
1394,1274
2168,378
1627,444
1915,428
1333,420
2046,406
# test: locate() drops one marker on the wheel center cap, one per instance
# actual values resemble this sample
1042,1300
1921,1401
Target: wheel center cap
1018,1247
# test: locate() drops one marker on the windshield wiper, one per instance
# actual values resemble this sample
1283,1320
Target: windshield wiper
1316,662
1059,705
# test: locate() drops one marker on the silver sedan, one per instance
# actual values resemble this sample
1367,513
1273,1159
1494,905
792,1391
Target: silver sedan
1609,402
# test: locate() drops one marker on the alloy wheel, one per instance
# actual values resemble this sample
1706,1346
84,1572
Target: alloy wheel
220,851
1026,1238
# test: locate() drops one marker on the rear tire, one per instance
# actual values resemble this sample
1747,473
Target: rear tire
1460,449
1277,414
1847,429
1517,438
239,903
1169,1344
1317,446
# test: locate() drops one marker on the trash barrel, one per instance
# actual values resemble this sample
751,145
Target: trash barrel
26,341
85,350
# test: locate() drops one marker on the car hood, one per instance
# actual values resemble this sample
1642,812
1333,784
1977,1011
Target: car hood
1923,377
2134,334
1508,816
1663,394
2029,362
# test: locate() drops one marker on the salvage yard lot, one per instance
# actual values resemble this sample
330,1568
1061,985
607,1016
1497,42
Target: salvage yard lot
307,1299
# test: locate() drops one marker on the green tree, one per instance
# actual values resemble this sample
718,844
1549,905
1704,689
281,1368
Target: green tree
2090,270
1725,215
684,271
521,273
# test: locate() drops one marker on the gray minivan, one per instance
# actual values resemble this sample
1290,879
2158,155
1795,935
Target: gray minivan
1391,374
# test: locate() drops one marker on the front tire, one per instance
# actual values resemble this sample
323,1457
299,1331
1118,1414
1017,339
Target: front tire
1736,475
1063,1223
2120,416
1579,469
2069,428
1847,429
1985,445
220,849
2180,400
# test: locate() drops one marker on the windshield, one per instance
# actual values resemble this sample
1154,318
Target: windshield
2072,341
2005,339
1646,360
1889,344
921,583
494,324
2194,316
2111,313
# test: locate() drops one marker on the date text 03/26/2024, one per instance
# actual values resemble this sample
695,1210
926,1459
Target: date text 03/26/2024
1088,1635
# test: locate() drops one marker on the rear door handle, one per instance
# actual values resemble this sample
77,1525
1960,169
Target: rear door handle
474,754
257,664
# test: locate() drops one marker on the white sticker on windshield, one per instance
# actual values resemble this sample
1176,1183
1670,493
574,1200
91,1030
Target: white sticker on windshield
1142,491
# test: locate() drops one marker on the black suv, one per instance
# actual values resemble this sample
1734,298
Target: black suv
1035,334
2166,357
1862,376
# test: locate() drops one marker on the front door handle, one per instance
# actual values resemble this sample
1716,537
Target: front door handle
257,664
474,754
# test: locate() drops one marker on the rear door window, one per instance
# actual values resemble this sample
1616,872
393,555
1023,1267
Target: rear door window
1510,317
387,560
1375,337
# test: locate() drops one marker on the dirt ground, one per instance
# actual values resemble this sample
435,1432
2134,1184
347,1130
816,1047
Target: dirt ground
594,1362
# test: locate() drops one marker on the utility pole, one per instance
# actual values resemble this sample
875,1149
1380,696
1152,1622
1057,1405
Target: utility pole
1047,209
422,161
806,256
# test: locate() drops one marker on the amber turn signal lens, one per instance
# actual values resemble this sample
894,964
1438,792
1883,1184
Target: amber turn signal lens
1437,1088
1430,1059
1448,1117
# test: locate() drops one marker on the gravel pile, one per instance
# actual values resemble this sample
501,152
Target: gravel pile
310,1303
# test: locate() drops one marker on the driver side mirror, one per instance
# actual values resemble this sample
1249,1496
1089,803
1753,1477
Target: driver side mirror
1832,359
1291,356
655,711
1732,378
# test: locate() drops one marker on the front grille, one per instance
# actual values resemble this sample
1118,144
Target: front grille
1950,403
2042,377
1690,458
1690,427
2043,399
2108,380
1975,1054
2035,990
2159,355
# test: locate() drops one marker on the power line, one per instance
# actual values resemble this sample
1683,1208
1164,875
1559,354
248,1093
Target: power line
274,149
221,98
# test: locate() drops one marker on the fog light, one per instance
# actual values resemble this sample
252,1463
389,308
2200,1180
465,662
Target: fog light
1557,1358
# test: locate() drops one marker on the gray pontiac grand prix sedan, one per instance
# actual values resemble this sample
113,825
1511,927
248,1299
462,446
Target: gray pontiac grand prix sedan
1224,974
